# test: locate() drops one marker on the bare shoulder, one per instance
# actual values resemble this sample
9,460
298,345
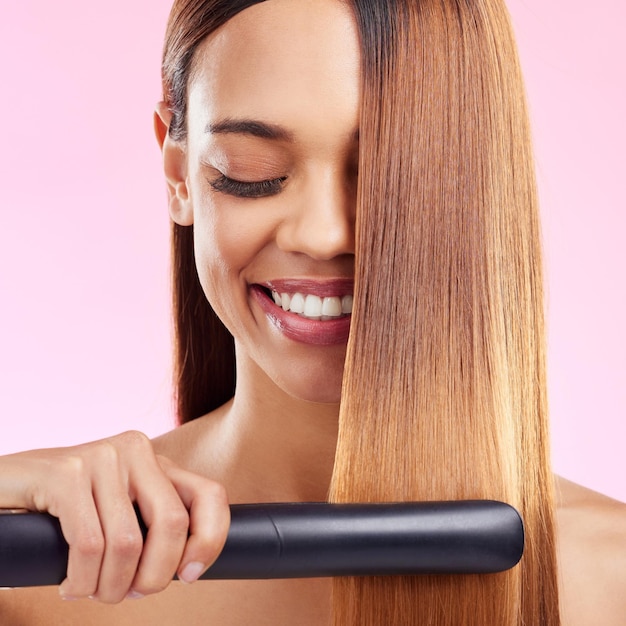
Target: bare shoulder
193,443
591,533
178,444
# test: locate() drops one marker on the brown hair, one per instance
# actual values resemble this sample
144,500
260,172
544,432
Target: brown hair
204,350
448,238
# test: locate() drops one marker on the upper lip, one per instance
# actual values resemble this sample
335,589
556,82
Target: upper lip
322,287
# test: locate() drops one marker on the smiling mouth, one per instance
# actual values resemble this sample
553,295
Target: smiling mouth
312,306
309,311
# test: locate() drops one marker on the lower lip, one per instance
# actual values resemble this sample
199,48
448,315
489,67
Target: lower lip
317,332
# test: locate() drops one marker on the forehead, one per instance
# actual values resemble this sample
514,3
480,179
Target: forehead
280,60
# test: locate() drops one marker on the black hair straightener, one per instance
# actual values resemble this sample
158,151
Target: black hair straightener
302,540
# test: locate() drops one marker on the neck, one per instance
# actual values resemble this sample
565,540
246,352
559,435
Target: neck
278,448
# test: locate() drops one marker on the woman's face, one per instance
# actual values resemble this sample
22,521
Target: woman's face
267,175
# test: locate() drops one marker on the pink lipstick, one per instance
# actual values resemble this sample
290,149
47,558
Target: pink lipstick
310,311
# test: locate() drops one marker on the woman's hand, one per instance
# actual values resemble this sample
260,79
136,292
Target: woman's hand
91,489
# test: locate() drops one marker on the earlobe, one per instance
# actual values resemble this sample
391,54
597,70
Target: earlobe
174,166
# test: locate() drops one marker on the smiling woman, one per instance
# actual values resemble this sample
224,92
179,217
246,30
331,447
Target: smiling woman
358,317
283,164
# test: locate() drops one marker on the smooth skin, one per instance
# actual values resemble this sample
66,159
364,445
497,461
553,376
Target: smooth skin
275,441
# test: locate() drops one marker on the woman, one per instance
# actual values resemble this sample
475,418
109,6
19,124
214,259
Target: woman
326,152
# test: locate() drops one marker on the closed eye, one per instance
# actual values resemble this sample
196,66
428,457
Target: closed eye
242,189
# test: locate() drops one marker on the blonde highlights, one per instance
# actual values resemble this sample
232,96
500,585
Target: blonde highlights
444,385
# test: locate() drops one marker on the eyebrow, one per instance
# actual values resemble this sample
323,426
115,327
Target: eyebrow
255,128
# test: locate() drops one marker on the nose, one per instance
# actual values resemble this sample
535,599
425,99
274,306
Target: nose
321,222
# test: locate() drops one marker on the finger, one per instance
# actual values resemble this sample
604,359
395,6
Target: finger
209,520
58,481
122,535
168,525
82,530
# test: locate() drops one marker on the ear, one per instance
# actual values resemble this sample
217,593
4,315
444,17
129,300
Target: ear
174,166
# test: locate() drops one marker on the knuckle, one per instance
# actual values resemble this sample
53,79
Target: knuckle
72,466
217,493
176,521
127,544
89,544
105,453
135,439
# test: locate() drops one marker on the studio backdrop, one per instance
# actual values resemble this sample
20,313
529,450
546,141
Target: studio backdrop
84,309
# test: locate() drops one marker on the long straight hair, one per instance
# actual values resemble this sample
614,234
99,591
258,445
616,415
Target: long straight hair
447,326
444,383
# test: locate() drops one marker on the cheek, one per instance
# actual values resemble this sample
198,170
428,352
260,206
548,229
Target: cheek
227,243
220,248
228,236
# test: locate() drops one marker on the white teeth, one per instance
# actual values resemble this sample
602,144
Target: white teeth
297,303
346,304
312,306
331,307
284,300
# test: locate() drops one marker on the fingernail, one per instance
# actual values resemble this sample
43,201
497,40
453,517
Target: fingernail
134,595
64,596
191,572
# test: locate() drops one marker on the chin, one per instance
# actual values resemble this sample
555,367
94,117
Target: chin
327,396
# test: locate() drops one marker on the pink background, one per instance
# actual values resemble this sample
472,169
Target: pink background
84,321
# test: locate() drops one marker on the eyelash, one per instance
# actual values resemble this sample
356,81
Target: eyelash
240,189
